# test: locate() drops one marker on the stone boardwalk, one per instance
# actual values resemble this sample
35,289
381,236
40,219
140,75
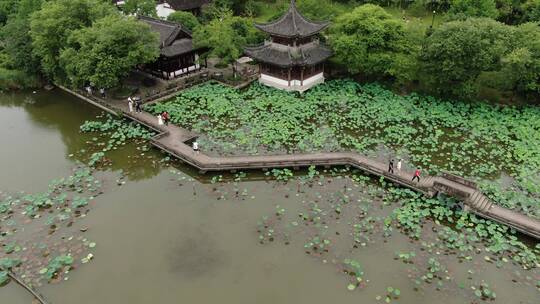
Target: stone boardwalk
177,142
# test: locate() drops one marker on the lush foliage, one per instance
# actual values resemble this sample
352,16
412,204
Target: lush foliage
18,65
461,56
462,9
371,41
478,140
226,36
186,19
140,7
51,27
107,51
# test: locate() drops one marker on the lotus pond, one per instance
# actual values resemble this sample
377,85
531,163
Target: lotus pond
89,213
498,146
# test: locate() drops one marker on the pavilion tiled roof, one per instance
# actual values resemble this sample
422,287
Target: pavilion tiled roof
305,55
292,24
168,33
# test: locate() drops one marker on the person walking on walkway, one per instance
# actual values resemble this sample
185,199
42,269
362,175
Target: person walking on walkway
416,175
166,117
196,146
102,92
391,166
130,104
138,105
160,119
398,166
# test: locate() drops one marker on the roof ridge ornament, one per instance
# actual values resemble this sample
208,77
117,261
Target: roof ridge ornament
292,8
292,25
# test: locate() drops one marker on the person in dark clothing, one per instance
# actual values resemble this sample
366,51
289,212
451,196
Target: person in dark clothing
391,166
416,175
138,105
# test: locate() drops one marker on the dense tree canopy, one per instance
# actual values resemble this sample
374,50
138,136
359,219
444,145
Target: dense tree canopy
463,9
16,37
370,41
51,26
140,7
225,37
521,67
187,19
108,50
319,9
531,11
7,7
459,51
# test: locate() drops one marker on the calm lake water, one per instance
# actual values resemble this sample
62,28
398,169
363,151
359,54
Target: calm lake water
168,236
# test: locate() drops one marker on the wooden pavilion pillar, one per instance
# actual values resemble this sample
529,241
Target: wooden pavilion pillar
289,77
302,77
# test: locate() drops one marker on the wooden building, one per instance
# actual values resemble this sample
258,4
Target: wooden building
177,54
293,58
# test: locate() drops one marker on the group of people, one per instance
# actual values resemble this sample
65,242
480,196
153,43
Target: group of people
134,104
90,91
164,118
416,175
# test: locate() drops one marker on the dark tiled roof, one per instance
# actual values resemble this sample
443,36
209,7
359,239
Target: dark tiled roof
178,47
168,33
308,54
292,24
183,5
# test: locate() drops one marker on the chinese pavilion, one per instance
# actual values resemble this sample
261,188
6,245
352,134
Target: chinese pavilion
293,58
177,54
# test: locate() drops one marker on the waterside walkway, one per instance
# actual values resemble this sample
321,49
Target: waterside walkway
177,142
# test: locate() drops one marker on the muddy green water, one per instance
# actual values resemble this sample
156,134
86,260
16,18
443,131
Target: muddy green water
161,239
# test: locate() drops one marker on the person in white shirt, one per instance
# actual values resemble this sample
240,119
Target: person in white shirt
130,104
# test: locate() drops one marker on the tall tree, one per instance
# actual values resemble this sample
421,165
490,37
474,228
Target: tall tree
463,9
459,51
225,37
187,19
319,9
521,67
140,7
531,11
370,41
51,26
7,7
17,40
108,50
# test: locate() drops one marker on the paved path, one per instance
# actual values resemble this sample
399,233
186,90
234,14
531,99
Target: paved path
176,141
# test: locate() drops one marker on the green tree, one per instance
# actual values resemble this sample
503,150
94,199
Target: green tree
521,67
531,11
16,38
463,9
225,37
51,26
7,7
140,7
108,50
459,51
187,19
319,9
368,40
